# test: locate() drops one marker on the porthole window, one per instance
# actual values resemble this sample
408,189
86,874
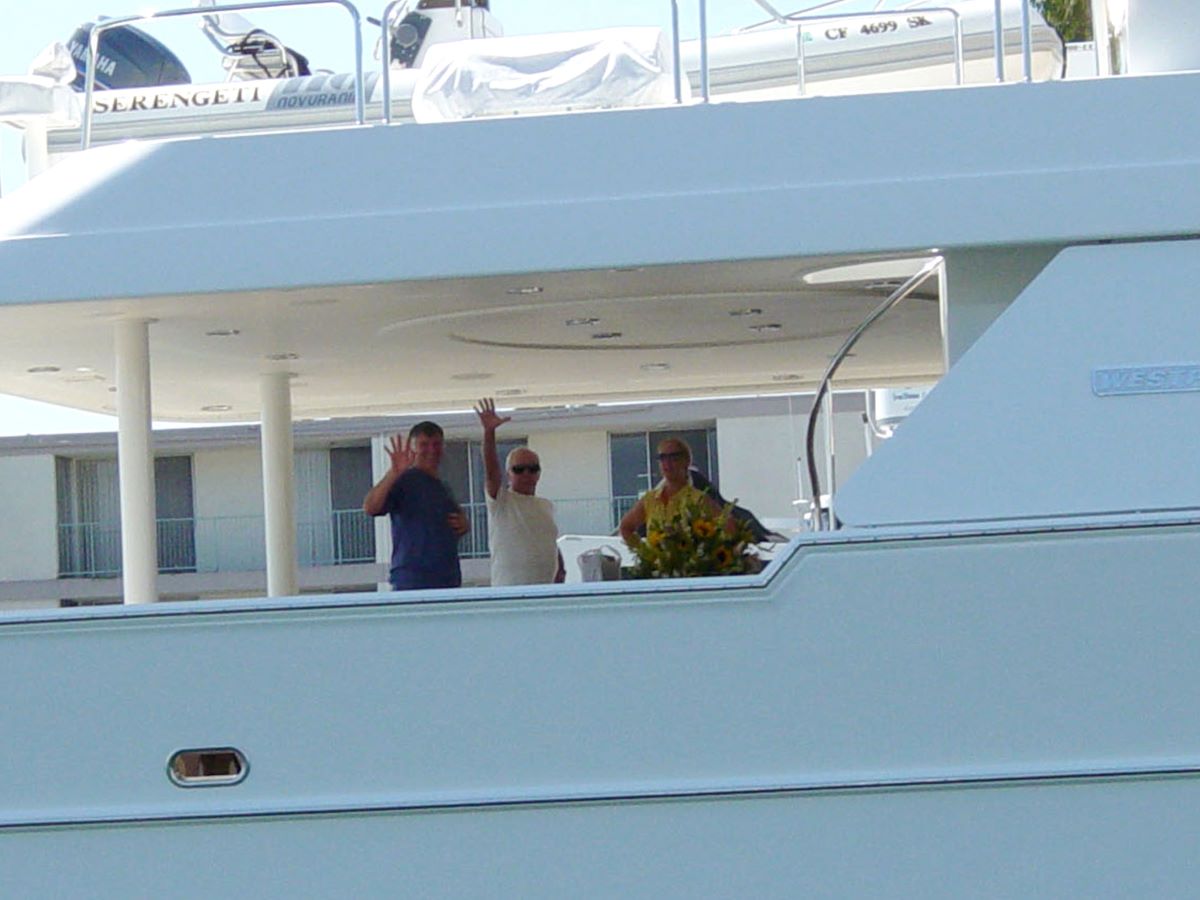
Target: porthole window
207,767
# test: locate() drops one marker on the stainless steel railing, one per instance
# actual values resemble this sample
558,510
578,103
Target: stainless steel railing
814,482
394,6
98,28
800,21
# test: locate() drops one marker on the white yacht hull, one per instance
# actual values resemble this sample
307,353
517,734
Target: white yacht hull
905,716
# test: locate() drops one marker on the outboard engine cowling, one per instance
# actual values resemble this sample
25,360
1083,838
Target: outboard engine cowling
439,21
126,58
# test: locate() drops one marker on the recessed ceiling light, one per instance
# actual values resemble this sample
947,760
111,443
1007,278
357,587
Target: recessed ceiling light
527,289
83,369
42,370
767,328
655,367
510,392
746,311
582,320
217,407
605,335
281,357
472,376
222,332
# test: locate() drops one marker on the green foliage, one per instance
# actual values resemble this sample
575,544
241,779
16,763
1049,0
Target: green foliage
1072,19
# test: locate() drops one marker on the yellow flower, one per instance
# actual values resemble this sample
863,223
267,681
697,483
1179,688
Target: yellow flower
693,541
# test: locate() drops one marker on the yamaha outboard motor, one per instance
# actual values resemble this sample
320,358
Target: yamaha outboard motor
126,58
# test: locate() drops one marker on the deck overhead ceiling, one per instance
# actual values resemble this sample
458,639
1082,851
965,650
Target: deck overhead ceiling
542,338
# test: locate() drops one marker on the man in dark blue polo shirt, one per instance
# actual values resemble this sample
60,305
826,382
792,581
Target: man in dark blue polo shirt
426,522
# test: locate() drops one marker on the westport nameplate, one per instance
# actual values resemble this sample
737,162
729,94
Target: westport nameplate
1145,380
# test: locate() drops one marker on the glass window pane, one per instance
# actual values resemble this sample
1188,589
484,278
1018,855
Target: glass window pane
455,470
173,502
349,476
173,487
503,448
630,470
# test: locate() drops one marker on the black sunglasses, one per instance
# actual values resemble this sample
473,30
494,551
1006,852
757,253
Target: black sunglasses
674,454
521,470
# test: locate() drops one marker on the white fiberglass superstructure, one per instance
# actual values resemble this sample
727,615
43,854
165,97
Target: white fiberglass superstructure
982,682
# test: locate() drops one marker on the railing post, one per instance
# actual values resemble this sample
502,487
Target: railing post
676,50
1100,29
999,38
386,74
958,48
1026,43
801,73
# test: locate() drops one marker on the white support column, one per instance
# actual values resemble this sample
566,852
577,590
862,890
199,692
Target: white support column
383,525
135,463
279,489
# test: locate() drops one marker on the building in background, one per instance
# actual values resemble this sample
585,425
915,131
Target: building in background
60,537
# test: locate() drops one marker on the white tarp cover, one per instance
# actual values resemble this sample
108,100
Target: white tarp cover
545,73
26,98
44,93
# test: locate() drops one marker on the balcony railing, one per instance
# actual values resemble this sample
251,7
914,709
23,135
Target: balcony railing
236,543
220,544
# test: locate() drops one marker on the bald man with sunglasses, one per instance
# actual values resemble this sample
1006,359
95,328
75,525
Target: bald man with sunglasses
522,534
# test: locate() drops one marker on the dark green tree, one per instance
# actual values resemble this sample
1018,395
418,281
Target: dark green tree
1071,18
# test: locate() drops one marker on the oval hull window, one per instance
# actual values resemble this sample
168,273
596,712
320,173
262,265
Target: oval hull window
207,767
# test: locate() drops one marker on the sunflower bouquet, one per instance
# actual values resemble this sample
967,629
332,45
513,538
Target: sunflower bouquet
696,541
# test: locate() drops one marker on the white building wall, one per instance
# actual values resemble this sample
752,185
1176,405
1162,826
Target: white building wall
761,459
227,487
574,463
575,475
28,528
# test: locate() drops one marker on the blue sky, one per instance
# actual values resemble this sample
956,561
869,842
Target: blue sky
321,33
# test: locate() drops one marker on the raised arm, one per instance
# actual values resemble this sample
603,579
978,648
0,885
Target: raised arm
490,420
402,457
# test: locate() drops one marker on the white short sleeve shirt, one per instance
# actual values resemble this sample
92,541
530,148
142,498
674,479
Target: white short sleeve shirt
522,536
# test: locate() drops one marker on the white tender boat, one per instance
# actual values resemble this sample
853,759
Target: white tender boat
980,683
